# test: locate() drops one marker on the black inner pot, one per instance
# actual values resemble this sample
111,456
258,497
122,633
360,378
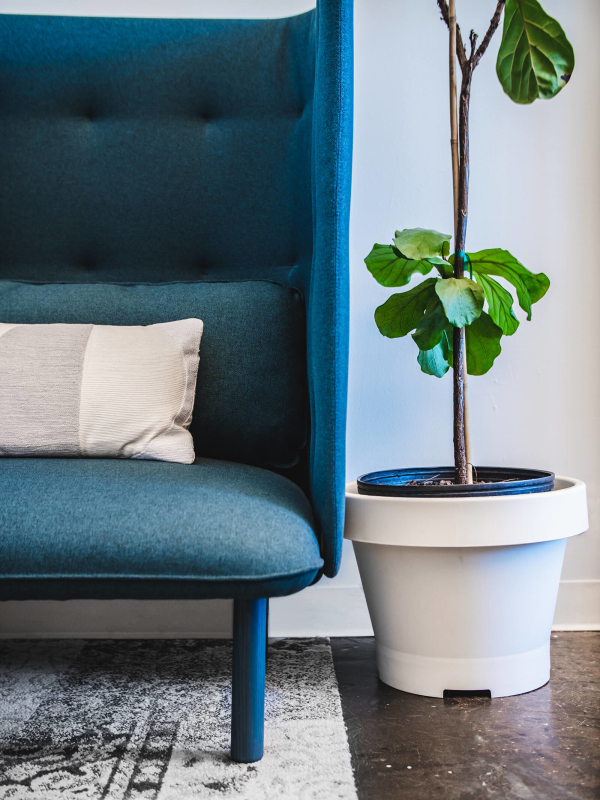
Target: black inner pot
499,481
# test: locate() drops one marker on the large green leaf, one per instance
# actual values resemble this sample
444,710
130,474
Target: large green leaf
389,267
434,361
462,299
535,58
483,344
422,243
530,287
499,302
431,326
402,312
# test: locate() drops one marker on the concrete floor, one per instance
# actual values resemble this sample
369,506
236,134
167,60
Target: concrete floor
544,745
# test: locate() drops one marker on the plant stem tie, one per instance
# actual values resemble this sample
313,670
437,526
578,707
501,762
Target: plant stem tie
465,257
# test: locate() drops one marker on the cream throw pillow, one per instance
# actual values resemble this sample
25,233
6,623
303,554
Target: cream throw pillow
99,390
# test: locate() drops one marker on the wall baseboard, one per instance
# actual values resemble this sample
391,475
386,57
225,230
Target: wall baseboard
578,606
116,619
573,626
326,609
322,610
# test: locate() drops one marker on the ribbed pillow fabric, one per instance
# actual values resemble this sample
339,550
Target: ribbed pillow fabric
99,390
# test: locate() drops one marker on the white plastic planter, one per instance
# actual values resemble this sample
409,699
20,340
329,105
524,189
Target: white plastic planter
462,591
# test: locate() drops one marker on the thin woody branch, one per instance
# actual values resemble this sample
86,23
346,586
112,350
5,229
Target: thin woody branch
473,42
495,21
460,46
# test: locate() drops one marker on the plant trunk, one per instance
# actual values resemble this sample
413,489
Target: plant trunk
460,176
461,461
461,439
460,455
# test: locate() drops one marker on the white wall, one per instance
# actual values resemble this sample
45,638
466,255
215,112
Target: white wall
535,190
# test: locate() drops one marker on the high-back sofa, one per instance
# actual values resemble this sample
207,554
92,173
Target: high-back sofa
159,169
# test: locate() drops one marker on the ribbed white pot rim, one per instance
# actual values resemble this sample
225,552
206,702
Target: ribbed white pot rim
468,521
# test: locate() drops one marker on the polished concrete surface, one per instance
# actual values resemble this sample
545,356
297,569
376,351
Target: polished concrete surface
544,745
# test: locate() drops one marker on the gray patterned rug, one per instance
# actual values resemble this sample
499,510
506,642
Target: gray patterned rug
149,720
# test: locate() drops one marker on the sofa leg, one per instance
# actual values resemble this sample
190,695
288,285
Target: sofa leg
267,631
248,684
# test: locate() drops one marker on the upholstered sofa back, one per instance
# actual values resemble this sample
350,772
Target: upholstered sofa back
149,151
154,149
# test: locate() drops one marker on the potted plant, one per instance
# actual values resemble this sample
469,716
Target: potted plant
461,565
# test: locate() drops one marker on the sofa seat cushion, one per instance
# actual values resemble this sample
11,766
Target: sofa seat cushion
104,528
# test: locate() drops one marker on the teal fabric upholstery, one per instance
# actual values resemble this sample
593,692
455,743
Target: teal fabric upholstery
183,151
104,528
161,150
252,396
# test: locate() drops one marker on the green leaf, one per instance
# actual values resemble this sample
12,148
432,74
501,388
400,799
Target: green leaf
448,338
443,266
422,243
402,312
390,268
530,287
462,299
500,303
483,344
535,58
536,285
433,361
431,326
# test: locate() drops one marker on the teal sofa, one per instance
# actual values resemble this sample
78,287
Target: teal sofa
158,169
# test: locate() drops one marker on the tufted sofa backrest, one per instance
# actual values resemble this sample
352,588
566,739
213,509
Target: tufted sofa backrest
154,149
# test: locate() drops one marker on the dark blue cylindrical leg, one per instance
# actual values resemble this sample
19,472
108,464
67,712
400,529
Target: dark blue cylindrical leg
248,685
267,631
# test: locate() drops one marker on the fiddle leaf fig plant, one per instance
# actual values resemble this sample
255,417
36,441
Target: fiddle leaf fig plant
457,320
433,307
